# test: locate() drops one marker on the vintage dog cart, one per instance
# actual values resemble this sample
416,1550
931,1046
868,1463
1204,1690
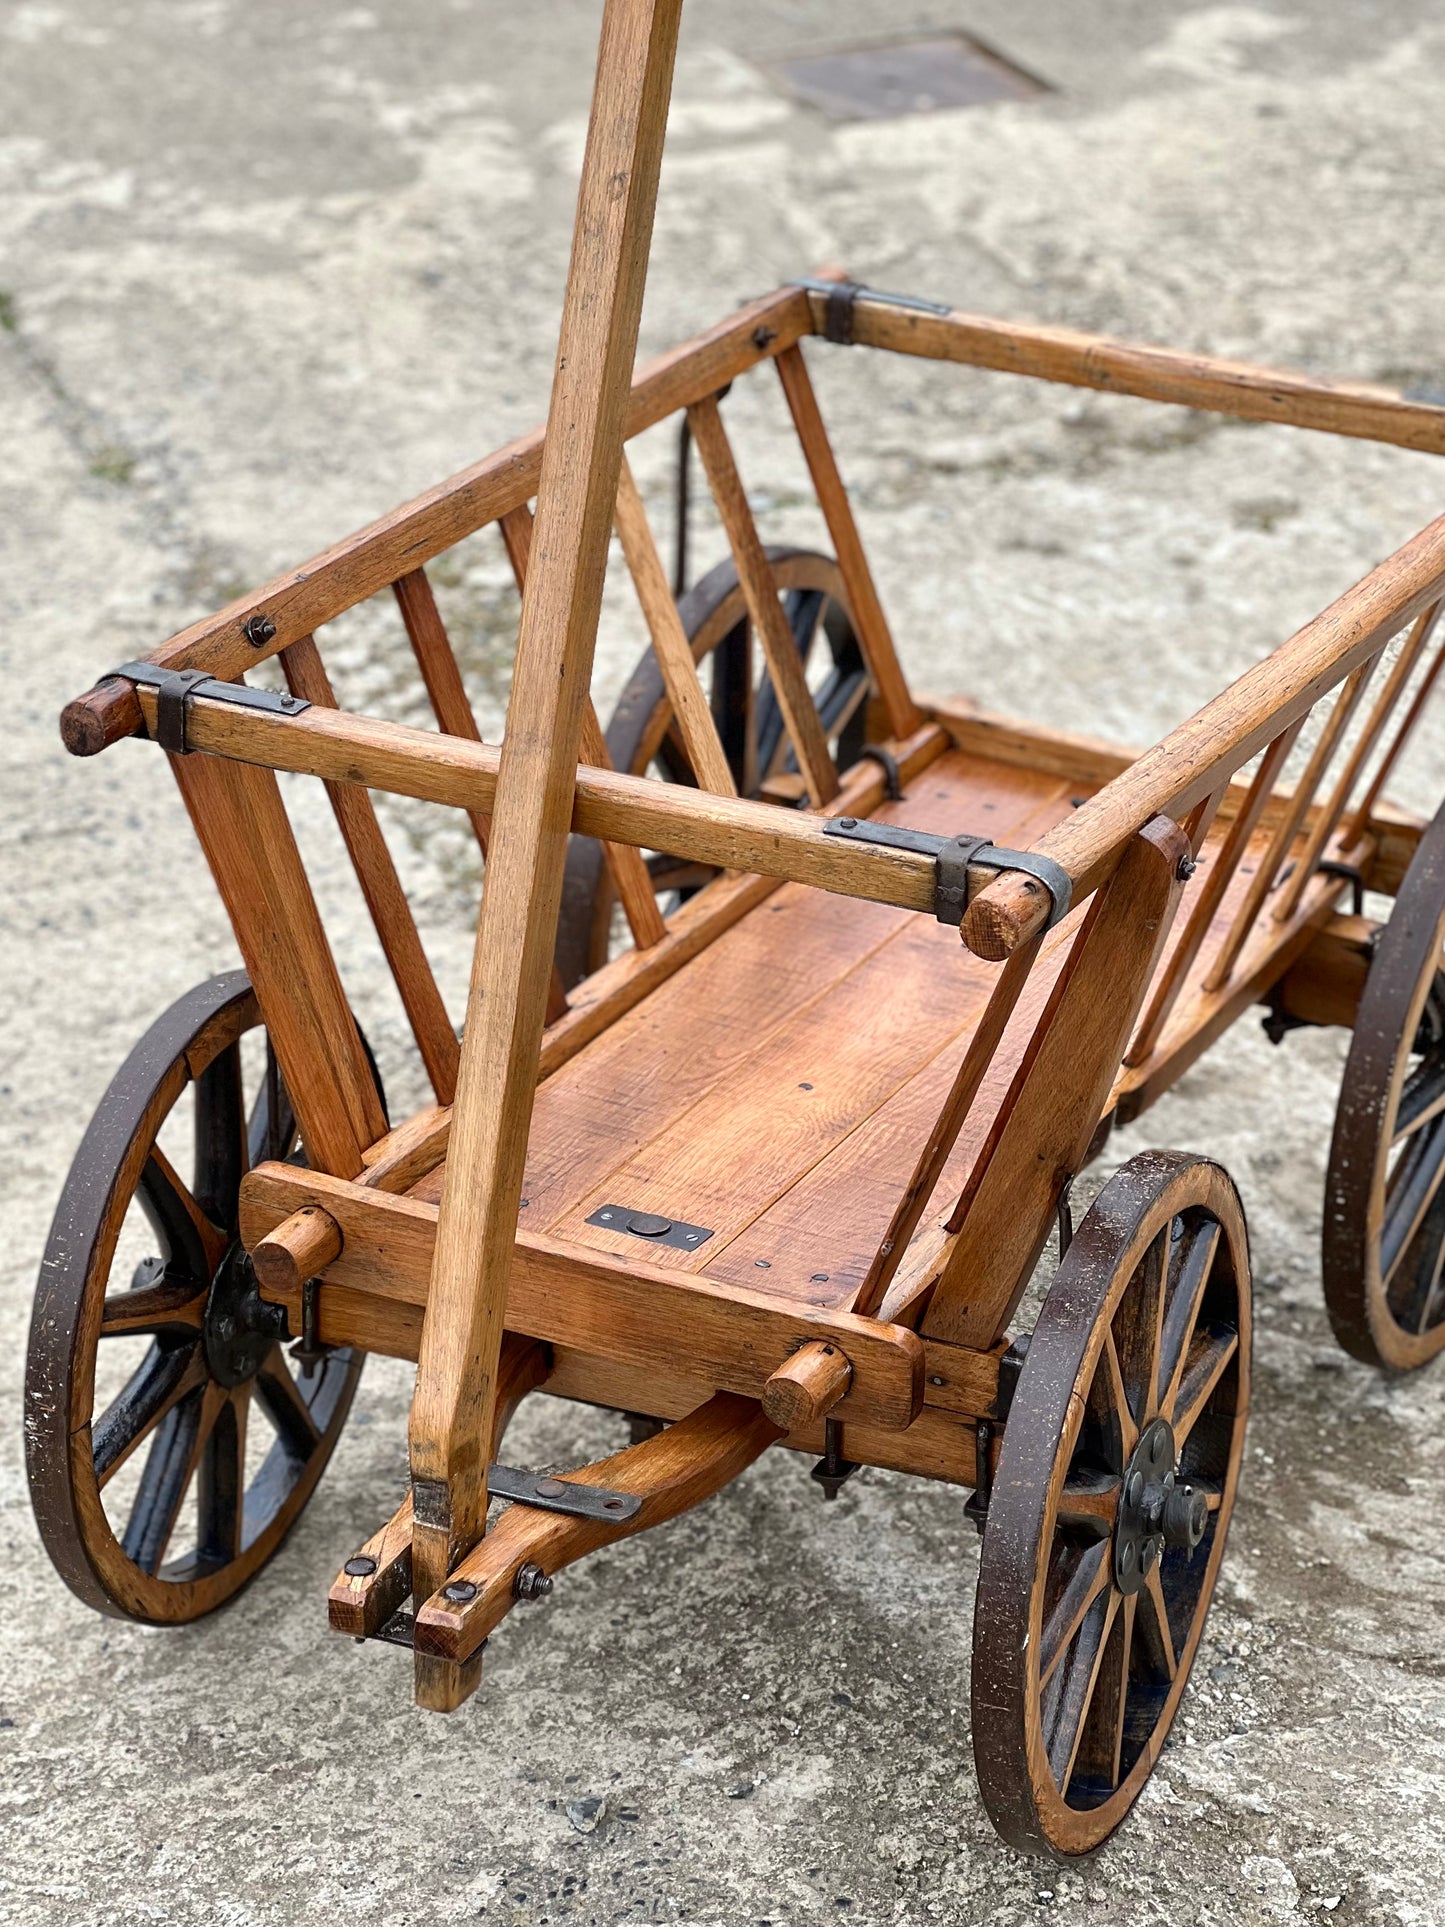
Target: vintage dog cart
779,1170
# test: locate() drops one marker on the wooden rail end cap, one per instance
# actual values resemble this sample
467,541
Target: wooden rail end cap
807,1387
300,1247
1004,915
100,717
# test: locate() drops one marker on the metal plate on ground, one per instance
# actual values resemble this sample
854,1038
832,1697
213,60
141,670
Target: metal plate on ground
905,77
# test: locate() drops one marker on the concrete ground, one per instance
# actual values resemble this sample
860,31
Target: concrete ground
266,270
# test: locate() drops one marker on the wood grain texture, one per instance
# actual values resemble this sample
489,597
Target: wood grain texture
1157,374
241,824
690,706
807,1387
770,625
456,1379
381,887
869,622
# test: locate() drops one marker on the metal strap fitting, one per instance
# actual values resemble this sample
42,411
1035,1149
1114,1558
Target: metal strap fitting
175,687
888,763
842,295
953,856
551,1494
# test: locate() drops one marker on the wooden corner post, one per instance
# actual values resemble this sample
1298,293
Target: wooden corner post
452,1408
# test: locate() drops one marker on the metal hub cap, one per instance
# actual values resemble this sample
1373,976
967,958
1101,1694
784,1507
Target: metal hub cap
1155,1509
240,1327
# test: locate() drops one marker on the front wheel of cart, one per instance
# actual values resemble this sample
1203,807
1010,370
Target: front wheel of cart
1108,1512
171,1441
1384,1231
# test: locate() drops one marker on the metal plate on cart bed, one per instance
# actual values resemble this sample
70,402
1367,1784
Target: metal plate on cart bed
647,1224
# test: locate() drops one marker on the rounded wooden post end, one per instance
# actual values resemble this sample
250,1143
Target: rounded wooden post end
808,1386
1004,915
299,1248
100,717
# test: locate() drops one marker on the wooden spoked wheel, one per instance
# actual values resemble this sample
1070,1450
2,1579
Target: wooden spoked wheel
170,1441
1106,1523
1384,1228
749,721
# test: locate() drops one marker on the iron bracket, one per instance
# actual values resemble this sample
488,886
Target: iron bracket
647,1224
841,295
953,855
551,1494
175,687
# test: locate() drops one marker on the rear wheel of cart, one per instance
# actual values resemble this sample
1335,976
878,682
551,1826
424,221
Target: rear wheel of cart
641,734
170,1440
1107,1518
1384,1230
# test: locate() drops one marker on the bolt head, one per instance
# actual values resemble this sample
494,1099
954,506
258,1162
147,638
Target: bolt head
1186,868
550,1488
259,630
361,1567
460,1592
847,822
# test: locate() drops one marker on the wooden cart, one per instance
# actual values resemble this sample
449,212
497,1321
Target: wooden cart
779,1171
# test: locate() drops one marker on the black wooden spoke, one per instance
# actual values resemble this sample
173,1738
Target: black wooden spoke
1096,1766
1090,1497
171,1307
220,1128
1189,1272
169,1467
1412,1188
1422,1099
1087,1579
286,1408
163,1377
1412,1289
1210,1352
1151,1626
1137,1329
1075,1680
175,1218
221,1484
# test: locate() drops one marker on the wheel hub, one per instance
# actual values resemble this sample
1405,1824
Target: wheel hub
239,1327
1155,1509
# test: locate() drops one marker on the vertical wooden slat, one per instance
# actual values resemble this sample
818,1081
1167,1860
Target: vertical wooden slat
452,707
241,824
625,864
1221,868
381,886
1336,723
1402,736
1324,825
439,671
456,1387
869,622
690,707
977,1057
780,649
1058,1093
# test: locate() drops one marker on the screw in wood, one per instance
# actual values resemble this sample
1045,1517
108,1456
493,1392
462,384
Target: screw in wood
259,630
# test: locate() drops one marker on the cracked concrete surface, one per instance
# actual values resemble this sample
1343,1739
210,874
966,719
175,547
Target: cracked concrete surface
266,270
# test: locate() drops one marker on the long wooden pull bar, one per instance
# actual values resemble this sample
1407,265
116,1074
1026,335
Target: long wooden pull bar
396,929
869,620
790,684
625,864
456,1388
690,707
